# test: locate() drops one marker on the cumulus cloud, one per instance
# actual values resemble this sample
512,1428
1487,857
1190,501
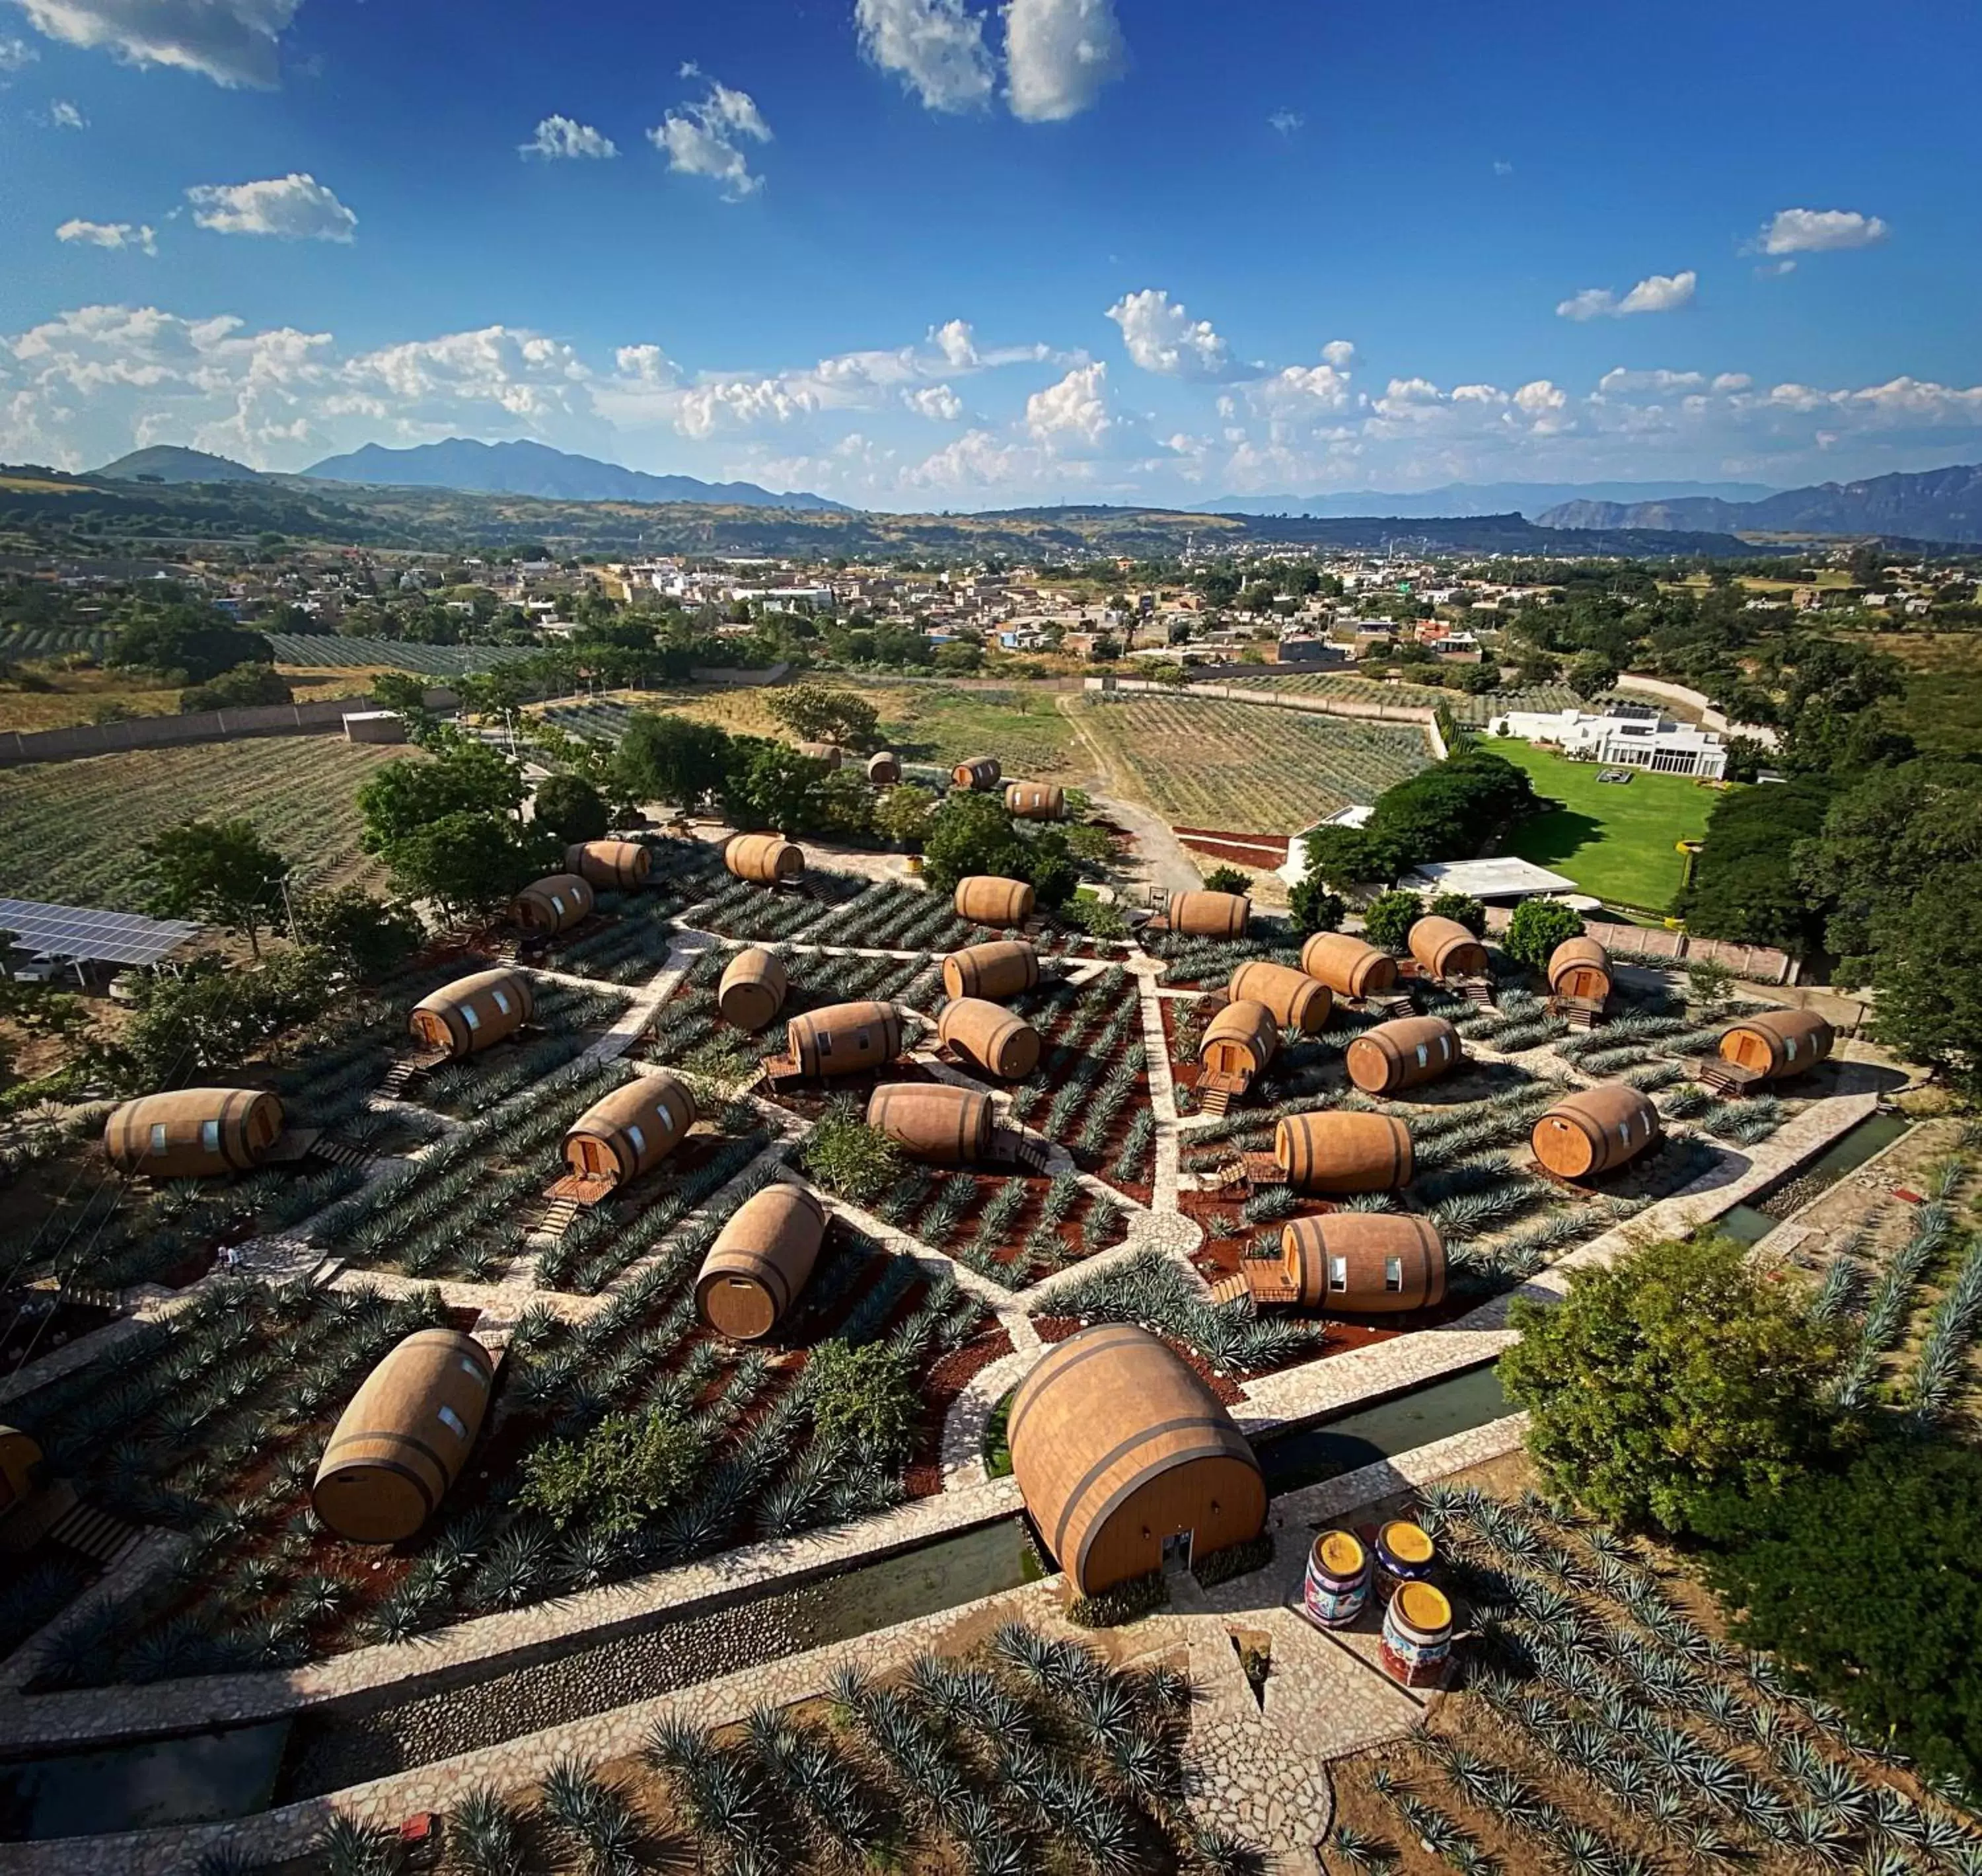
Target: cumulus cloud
1163,338
562,137
1074,413
292,208
935,47
707,138
1286,122
937,402
1619,380
16,55
63,116
1656,293
1339,353
109,234
1820,231
233,42
1300,393
647,365
1057,55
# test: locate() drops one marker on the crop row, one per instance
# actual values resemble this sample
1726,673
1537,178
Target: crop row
328,651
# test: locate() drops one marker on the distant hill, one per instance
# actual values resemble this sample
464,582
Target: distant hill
1456,500
165,463
1934,504
535,469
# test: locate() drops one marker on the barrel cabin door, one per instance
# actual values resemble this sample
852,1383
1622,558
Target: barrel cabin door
1228,1064
592,1159
1748,1050
431,1027
1177,1553
1584,984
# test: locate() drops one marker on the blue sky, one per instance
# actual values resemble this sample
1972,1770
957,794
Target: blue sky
948,254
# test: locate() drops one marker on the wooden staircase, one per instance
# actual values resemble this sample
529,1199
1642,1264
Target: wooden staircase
341,1152
1021,1149
1578,1012
1216,1093
101,1536
1389,1009
557,1217
1723,1077
408,1070
1258,1278
1478,990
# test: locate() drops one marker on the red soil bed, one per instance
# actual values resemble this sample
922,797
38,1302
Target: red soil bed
941,1388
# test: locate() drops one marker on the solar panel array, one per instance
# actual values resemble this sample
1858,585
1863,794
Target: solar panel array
73,932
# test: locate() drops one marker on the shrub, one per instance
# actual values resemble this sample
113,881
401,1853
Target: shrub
1461,908
1126,1602
571,807
1537,928
863,1400
1100,919
1227,879
848,1157
615,1477
1387,922
1312,908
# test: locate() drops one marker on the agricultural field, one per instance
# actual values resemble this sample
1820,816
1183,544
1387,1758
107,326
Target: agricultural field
23,641
1473,712
328,652
1244,767
71,829
1942,705
1619,840
90,695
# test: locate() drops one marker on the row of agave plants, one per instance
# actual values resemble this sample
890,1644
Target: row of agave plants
1151,1289
1031,1755
933,1210
890,916
1090,1070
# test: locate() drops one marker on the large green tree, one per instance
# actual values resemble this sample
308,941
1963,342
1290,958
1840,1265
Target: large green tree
818,713
1537,926
468,862
972,833
369,938
1744,884
1678,1372
191,644
670,758
570,808
219,872
214,1016
465,777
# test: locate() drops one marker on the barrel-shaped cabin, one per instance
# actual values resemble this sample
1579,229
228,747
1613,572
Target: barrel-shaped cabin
1579,971
760,1261
988,1036
1444,948
546,907
1209,914
1363,1263
1349,966
844,1038
830,753
628,1134
987,899
404,1439
1344,1152
1127,1461
1594,1132
1778,1043
979,774
1035,801
1297,1001
764,859
1404,1054
473,1013
884,768
610,865
754,986
1001,968
934,1120
193,1133
1241,1039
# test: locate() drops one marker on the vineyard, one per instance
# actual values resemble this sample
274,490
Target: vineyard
325,651
54,640
71,830
1473,711
1202,763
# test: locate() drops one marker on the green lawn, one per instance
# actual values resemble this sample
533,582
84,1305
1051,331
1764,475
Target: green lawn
1618,841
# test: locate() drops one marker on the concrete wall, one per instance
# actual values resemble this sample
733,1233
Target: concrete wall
326,718
1757,963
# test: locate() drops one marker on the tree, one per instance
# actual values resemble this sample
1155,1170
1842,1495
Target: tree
213,1016
1537,928
1901,1662
848,1157
618,1475
572,808
244,688
816,713
190,643
971,833
1338,856
1312,908
1927,975
1226,879
903,815
219,872
1678,1373
671,758
1477,680
467,862
467,777
1388,918
770,785
367,938
1744,884
1461,908
1591,675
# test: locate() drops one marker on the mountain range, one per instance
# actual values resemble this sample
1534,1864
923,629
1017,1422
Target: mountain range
1934,504
1460,499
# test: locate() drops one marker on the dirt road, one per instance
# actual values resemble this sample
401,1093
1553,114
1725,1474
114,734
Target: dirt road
1162,859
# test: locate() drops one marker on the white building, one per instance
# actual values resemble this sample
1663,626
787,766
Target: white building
1625,736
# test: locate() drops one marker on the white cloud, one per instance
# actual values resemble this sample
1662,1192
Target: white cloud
1656,293
957,342
705,139
1339,353
1502,168
109,234
1300,393
648,365
1285,122
231,42
1620,380
937,402
565,137
16,55
936,47
737,404
1163,338
1074,415
1820,231
1057,55
63,116
1728,381
291,207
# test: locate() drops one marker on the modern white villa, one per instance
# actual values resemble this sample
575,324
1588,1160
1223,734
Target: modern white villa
1624,736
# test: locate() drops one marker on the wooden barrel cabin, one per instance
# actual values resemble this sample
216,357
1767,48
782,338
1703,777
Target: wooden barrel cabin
884,768
629,1132
845,1039
404,1439
830,753
1209,914
1126,1460
610,865
933,1121
546,907
1297,1001
1363,1263
193,1133
1241,1039
1778,1042
981,774
1404,1054
1595,1132
1349,966
1035,801
473,1013
1344,1152
1001,968
753,989
760,1261
764,859
1444,948
985,899
1579,971
989,1037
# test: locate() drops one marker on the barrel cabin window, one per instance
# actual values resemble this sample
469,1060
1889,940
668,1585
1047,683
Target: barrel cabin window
451,1420
158,1136
1338,1273
468,1016
501,1000
638,1139
826,1042
557,903
209,1136
475,1371
1424,1055
1393,1275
